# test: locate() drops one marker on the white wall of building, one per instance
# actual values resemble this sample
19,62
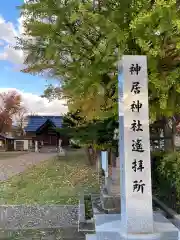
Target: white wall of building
25,144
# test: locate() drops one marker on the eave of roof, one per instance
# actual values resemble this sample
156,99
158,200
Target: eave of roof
6,136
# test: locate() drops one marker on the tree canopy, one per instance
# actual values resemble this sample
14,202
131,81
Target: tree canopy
96,133
81,43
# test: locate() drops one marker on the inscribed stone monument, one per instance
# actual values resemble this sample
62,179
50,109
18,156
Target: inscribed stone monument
136,220
136,194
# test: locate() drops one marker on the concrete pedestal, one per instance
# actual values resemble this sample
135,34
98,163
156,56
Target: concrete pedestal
108,226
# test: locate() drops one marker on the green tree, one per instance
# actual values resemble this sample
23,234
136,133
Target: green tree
80,44
95,135
72,48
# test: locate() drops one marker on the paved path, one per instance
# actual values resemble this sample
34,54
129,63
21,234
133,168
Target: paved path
12,166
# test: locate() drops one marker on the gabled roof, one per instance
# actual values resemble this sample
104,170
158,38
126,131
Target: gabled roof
35,122
48,122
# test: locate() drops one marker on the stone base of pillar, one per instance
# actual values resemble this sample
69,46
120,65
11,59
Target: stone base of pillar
111,227
153,236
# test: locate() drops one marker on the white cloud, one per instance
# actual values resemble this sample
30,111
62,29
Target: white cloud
1,43
14,56
34,103
38,105
8,34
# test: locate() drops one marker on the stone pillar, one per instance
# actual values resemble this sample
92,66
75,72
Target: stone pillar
137,220
134,147
14,145
104,162
36,146
81,209
60,142
61,151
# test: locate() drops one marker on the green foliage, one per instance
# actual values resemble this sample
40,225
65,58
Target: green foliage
88,207
52,92
73,119
83,44
157,33
169,168
98,133
166,179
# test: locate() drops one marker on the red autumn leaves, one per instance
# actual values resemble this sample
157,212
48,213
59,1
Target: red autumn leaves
10,105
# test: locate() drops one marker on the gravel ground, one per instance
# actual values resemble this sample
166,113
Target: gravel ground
38,217
13,166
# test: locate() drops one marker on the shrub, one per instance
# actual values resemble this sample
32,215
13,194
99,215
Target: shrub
74,144
88,207
102,172
166,179
156,159
170,169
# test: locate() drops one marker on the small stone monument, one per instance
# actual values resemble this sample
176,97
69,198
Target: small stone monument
61,151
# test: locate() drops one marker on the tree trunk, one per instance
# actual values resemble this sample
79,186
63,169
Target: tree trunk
111,157
110,162
167,135
173,133
89,154
94,155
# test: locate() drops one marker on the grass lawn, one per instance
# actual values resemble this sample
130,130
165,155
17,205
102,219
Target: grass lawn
6,155
57,181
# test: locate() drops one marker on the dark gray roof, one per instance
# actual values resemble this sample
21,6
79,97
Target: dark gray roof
35,122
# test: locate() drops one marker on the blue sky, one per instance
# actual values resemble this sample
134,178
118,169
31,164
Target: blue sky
9,11
11,60
8,76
